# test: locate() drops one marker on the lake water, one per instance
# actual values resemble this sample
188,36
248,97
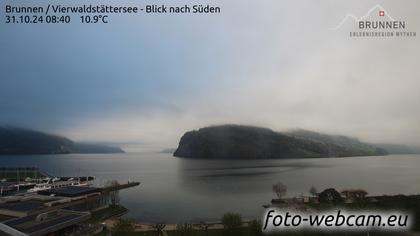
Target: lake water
185,190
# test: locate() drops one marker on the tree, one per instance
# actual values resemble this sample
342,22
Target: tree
256,227
159,228
313,191
123,226
114,195
205,227
184,230
280,189
231,220
330,195
231,223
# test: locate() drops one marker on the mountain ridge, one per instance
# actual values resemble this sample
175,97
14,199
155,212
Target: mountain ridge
20,141
251,142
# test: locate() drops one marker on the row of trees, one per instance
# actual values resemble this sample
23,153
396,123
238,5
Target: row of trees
329,195
232,225
280,190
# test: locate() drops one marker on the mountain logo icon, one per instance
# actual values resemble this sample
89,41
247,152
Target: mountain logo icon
377,9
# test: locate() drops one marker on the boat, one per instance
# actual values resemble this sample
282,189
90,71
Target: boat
7,188
59,183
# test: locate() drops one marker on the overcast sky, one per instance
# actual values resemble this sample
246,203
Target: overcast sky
150,78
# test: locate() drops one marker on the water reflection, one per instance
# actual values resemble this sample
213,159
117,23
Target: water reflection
180,190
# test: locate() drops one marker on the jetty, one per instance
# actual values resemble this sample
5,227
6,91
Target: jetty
120,186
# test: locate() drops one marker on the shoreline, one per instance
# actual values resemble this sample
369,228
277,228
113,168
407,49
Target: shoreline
147,226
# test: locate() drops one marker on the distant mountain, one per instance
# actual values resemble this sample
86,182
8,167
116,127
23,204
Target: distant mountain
398,148
248,142
23,141
96,148
339,145
168,150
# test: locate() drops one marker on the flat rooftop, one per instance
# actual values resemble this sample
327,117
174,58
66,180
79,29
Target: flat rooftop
70,191
22,206
45,223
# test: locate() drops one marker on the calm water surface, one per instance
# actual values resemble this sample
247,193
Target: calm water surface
185,190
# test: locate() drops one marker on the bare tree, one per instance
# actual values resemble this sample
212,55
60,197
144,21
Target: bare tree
231,224
313,191
114,195
158,228
280,189
184,229
205,227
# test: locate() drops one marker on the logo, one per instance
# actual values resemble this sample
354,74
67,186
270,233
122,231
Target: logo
376,23
381,13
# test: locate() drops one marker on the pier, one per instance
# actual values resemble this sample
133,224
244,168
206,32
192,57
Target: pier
120,186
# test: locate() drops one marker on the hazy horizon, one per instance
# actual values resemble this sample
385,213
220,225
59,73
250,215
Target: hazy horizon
275,64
